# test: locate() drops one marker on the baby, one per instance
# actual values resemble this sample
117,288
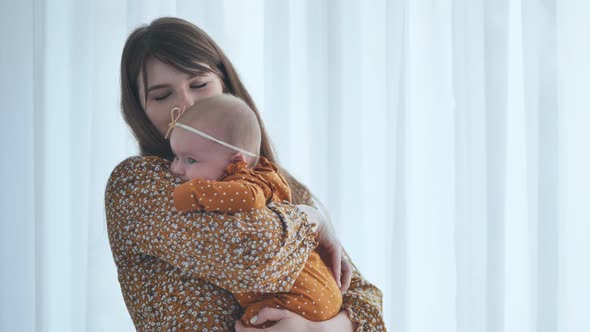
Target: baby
216,143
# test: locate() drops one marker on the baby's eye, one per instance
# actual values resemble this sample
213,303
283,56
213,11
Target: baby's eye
199,86
190,160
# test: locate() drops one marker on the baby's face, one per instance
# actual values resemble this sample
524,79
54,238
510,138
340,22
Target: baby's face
197,157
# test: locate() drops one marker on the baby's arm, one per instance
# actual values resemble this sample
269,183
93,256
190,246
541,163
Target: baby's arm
219,196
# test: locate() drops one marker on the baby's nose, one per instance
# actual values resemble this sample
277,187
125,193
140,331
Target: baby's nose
176,169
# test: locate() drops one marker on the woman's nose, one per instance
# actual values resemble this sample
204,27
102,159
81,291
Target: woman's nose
187,99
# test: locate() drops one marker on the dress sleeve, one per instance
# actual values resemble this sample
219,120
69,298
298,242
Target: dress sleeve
262,251
364,303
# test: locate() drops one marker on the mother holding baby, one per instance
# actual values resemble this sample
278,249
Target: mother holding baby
178,270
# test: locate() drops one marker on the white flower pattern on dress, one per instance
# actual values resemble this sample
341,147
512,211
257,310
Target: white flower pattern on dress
163,257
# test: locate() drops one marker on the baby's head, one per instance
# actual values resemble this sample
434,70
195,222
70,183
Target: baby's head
224,118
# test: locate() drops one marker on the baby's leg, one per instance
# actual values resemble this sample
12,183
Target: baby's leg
314,296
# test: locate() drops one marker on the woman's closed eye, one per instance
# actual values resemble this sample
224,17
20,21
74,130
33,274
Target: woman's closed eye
199,86
168,93
163,96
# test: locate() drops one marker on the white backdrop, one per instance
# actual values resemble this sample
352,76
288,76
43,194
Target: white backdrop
449,140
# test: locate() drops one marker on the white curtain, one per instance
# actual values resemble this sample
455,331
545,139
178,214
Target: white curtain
449,139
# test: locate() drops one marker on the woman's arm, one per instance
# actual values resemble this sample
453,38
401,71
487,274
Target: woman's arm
256,251
362,313
330,248
364,303
289,321
363,300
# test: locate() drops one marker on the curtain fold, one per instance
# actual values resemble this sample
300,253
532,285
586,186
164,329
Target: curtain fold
448,139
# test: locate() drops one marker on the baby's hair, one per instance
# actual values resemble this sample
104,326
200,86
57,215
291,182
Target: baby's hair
226,118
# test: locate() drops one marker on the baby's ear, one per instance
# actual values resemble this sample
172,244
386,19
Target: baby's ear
238,157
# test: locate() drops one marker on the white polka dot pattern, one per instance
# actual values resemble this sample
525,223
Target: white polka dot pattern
248,189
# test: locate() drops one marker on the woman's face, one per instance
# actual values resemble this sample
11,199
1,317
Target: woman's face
168,88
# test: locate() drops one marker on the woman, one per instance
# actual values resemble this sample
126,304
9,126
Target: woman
177,270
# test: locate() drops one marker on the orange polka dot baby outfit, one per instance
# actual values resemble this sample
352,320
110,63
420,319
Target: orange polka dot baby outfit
314,295
241,189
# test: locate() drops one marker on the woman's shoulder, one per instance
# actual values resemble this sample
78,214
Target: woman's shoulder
141,163
135,164
136,167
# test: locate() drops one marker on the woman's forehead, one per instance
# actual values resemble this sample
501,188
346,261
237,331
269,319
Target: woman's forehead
159,72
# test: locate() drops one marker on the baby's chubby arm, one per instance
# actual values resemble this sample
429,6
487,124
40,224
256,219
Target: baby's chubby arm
219,196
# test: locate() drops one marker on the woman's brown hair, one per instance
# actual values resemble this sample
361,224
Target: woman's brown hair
184,46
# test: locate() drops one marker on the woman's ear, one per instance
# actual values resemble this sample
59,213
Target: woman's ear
238,157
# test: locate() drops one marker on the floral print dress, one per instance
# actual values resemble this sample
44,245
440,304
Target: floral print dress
177,270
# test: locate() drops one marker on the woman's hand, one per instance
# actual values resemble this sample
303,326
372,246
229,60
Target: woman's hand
288,321
329,248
